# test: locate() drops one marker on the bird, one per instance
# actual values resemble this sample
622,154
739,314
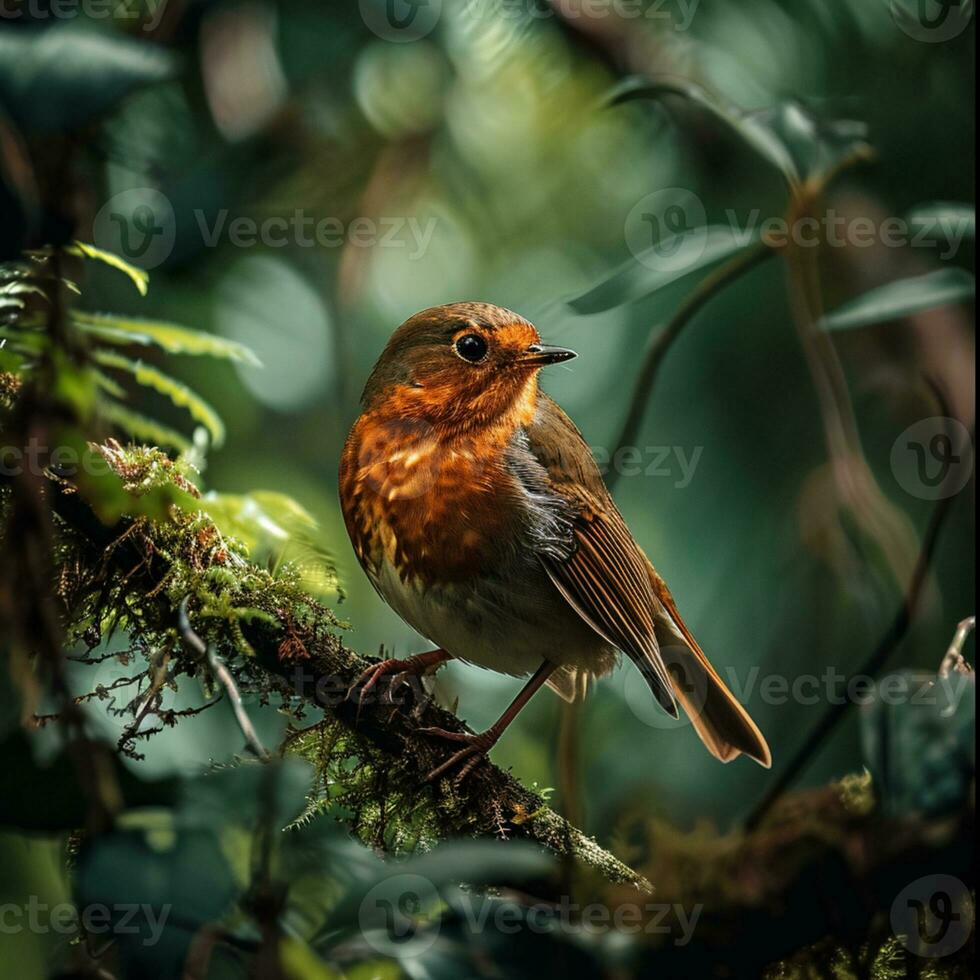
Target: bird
479,514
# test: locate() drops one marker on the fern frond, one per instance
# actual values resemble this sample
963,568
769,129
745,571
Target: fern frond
139,277
178,393
171,337
142,428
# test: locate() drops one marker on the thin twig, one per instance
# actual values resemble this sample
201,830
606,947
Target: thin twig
954,660
710,287
883,650
196,645
856,485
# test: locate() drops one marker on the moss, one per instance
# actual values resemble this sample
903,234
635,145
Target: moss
856,791
186,558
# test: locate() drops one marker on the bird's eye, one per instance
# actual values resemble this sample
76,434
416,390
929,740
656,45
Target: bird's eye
471,347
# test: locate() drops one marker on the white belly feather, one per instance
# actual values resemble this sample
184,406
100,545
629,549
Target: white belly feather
499,625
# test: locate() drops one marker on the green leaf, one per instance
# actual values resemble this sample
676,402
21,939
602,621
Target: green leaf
944,219
109,385
275,529
690,252
437,874
22,288
28,342
171,337
903,298
758,136
60,78
11,361
142,428
139,277
794,141
176,391
175,880
299,962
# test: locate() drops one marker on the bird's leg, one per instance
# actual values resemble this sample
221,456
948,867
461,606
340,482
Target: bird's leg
475,747
417,665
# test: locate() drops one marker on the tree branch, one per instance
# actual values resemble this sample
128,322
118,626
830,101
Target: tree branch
490,802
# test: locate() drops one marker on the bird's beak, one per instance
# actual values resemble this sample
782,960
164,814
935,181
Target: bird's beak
538,355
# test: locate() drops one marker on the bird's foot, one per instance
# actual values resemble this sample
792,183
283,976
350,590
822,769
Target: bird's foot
399,670
473,752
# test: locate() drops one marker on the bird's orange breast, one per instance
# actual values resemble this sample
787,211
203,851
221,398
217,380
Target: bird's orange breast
439,510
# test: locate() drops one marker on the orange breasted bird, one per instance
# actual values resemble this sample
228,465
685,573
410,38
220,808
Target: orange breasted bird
477,511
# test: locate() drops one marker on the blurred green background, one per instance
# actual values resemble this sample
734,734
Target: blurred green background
489,135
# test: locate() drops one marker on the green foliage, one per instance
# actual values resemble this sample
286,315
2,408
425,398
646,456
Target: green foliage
904,298
796,143
60,79
151,377
140,278
27,292
692,252
171,337
276,530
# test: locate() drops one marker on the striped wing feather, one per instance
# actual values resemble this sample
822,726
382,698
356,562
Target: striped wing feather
606,579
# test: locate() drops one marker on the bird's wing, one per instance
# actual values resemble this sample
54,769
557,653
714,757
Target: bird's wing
603,575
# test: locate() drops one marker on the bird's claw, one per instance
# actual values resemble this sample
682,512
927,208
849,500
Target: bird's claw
474,751
402,677
401,671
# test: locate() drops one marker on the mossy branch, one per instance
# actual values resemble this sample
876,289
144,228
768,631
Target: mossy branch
373,761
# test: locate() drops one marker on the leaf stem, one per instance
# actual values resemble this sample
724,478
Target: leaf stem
710,287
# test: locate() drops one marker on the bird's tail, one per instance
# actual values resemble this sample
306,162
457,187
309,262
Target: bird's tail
719,719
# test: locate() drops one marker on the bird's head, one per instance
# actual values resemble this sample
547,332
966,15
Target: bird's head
459,366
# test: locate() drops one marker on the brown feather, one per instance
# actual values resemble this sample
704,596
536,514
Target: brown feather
605,579
614,587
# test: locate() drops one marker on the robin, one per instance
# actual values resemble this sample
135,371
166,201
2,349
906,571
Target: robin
477,511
